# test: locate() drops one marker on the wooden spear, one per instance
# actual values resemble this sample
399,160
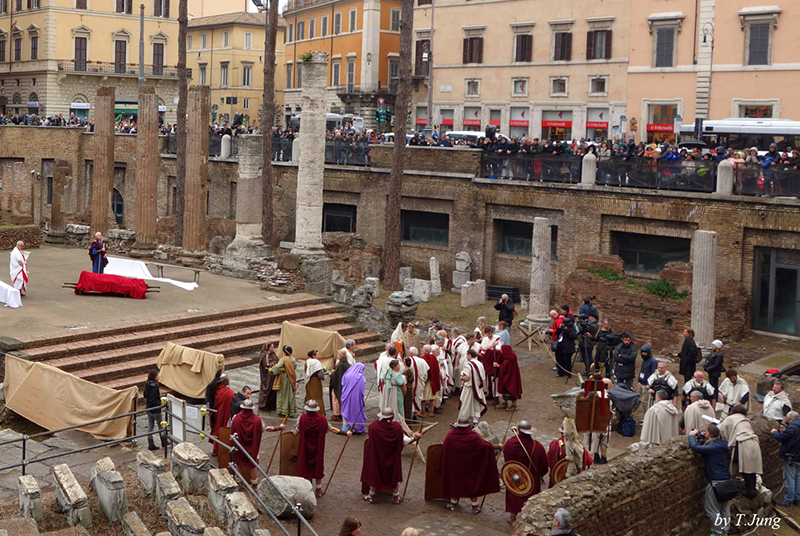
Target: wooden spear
278,442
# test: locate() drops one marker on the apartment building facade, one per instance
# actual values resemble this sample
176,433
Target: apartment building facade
362,39
531,68
226,52
54,54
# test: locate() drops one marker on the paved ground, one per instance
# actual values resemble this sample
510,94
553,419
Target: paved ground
49,309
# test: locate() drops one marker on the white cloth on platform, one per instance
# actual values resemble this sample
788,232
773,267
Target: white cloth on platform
10,296
138,270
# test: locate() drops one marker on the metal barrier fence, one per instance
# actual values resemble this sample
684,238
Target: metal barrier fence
771,181
348,153
686,175
532,167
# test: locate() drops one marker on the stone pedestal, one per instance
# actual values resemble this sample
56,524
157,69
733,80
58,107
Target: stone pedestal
182,520
296,489
71,500
419,288
342,292
103,159
103,464
244,255
589,170
362,297
57,234
310,171
704,286
406,272
149,466
473,293
111,495
725,178
147,160
167,490
539,301
225,146
132,525
194,217
375,283
242,515
30,498
436,280
459,278
220,484
463,261
190,466
316,271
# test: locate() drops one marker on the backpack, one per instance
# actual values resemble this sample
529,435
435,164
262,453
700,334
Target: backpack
627,427
698,356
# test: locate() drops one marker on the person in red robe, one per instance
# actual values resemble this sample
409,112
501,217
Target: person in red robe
219,397
509,381
382,467
524,449
468,466
248,428
312,428
567,456
433,383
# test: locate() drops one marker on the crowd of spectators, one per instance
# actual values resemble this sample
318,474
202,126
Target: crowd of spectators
31,120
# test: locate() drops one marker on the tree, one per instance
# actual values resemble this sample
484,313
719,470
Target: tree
183,96
391,274
267,120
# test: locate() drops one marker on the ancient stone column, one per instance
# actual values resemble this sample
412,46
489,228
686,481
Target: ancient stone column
103,163
57,234
539,302
589,170
194,217
704,286
248,245
147,158
308,222
436,280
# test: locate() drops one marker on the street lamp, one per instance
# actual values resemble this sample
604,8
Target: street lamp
708,40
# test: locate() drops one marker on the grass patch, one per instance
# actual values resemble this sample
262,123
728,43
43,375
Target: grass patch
608,275
665,289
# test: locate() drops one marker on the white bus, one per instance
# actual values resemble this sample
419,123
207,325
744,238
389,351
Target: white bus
742,134
332,122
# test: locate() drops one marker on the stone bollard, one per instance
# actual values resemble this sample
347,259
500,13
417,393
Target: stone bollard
30,498
112,496
225,147
220,484
71,500
182,520
103,464
190,466
149,466
589,170
436,280
242,515
167,490
725,178
132,525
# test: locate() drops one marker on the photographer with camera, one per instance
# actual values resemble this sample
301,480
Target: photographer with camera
506,308
715,458
587,329
789,436
606,341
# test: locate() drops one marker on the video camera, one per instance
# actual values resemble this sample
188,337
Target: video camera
701,437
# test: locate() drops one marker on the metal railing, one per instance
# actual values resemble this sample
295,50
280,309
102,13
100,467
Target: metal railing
106,67
770,181
685,175
532,167
348,153
214,145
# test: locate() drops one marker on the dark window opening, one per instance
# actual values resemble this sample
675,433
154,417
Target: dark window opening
473,50
648,253
524,48
598,45
118,206
425,227
49,190
338,218
562,50
516,238
758,49
665,47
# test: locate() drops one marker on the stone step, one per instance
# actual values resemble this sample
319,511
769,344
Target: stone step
145,336
141,367
187,319
231,342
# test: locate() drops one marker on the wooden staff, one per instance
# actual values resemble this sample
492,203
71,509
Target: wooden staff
278,442
335,466
413,457
501,450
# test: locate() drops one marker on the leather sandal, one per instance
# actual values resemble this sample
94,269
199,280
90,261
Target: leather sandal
369,498
451,506
501,406
319,492
396,499
476,509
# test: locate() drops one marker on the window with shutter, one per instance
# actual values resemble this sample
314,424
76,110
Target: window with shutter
562,51
524,48
420,65
590,39
473,50
758,46
665,47
165,13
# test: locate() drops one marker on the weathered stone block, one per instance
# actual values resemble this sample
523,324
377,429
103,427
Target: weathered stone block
30,498
473,293
132,525
214,531
190,466
406,272
167,490
71,500
337,276
436,280
363,296
182,520
149,466
111,495
220,484
566,401
317,273
463,261
296,489
103,464
421,289
342,292
242,515
460,278
375,283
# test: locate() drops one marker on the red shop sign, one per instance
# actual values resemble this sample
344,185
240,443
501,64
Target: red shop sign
558,124
596,124
517,123
654,127
472,122
422,121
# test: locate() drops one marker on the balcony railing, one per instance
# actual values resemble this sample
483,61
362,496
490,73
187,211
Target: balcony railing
128,69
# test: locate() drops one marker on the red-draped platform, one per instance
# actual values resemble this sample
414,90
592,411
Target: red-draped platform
104,284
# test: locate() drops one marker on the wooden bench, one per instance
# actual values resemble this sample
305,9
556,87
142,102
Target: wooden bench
160,269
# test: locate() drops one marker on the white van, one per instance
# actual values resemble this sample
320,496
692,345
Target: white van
470,135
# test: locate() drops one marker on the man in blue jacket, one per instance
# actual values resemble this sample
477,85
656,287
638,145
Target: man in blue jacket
715,458
790,452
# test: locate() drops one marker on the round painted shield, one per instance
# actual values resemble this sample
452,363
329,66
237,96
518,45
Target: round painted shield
517,479
559,471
